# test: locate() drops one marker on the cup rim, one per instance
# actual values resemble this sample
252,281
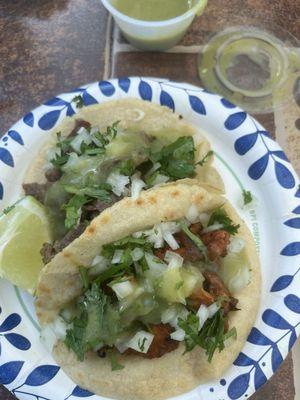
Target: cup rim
141,22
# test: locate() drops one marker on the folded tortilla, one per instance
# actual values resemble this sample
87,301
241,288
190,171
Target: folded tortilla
136,116
143,379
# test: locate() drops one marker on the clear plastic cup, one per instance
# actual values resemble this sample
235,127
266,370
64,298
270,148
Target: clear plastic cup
154,35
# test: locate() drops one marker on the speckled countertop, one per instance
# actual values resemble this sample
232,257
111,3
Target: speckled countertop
47,47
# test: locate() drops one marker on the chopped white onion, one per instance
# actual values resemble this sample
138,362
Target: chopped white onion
99,264
159,179
172,227
138,234
155,264
174,260
169,315
140,115
52,153
82,136
123,289
212,309
240,280
141,341
213,227
203,315
52,332
72,162
117,256
178,335
137,185
168,228
154,168
192,214
137,253
203,218
118,182
236,244
169,238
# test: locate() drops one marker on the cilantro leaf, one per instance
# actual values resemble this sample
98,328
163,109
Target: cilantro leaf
247,196
205,158
73,210
212,335
177,159
220,216
101,191
8,209
115,365
97,322
84,277
78,100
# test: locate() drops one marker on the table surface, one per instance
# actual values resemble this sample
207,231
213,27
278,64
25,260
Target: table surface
47,47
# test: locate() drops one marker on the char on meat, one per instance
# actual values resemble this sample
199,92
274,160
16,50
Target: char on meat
37,190
94,208
53,174
79,123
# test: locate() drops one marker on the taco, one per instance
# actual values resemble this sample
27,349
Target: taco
155,297
109,151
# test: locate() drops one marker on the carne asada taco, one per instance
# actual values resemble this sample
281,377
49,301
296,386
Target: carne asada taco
109,151
155,297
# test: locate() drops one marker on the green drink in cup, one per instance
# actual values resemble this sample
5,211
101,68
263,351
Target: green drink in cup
154,24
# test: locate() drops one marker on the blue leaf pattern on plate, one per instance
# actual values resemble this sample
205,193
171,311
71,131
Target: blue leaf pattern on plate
243,360
293,303
28,119
282,283
88,99
11,322
258,168
48,120
293,223
284,176
41,375
166,100
235,120
70,110
275,320
1,191
297,194
296,210
259,377
292,249
280,154
16,137
124,84
292,340
197,105
276,358
145,90
6,157
9,371
245,143
227,103
79,392
18,341
238,386
107,88
257,337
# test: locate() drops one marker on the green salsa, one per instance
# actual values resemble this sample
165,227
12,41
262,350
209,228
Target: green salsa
153,10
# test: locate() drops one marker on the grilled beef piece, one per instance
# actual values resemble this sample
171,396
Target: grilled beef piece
53,174
37,190
216,287
48,250
200,296
79,123
216,243
94,208
161,344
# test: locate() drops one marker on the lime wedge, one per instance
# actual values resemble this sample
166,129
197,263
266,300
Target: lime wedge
24,228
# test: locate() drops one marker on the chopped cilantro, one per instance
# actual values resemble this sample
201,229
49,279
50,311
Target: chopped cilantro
78,100
141,344
177,159
126,167
247,196
8,209
101,191
115,365
97,322
73,210
212,335
220,216
205,158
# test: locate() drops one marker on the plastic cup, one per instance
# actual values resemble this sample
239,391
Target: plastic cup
154,35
